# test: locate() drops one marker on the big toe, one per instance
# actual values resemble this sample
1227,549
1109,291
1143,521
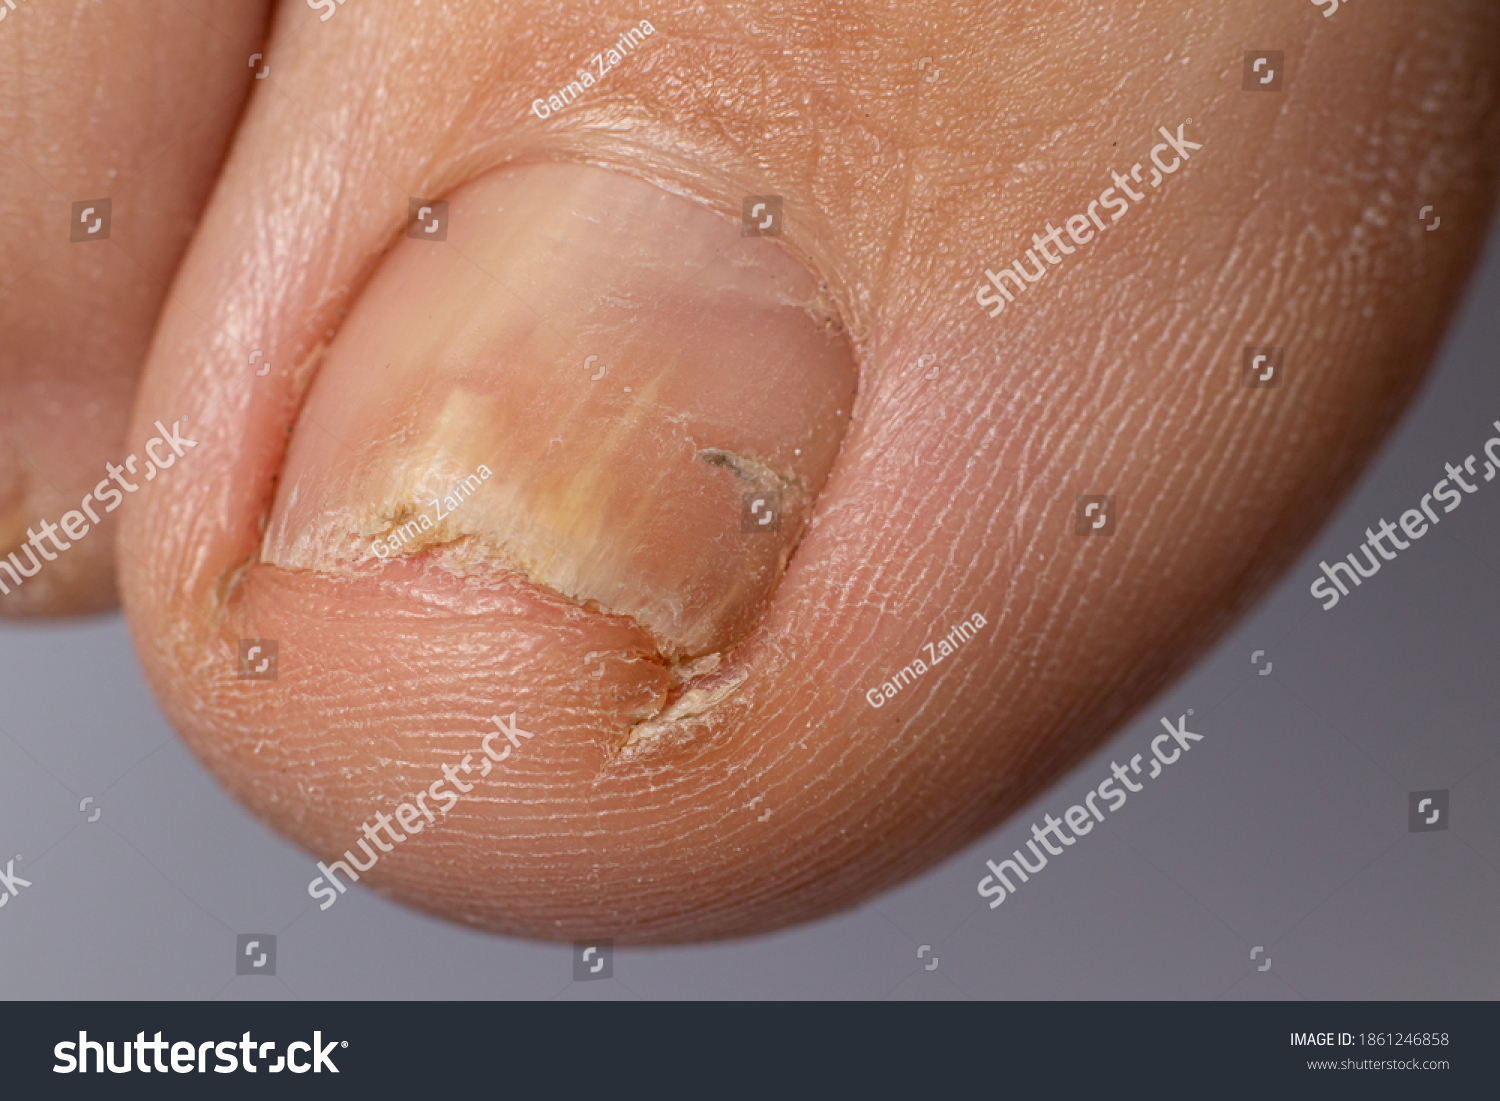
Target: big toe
638,530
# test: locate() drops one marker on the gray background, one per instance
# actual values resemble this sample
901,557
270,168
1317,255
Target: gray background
1285,828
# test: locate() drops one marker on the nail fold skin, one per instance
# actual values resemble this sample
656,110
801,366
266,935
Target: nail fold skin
591,382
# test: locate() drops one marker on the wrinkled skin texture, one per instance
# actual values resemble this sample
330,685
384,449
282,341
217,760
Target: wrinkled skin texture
136,102
1294,226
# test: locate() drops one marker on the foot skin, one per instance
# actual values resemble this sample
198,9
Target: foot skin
132,103
705,755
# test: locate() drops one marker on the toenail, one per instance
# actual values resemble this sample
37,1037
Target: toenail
590,381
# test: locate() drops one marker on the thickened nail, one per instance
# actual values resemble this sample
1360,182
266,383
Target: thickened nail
590,381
